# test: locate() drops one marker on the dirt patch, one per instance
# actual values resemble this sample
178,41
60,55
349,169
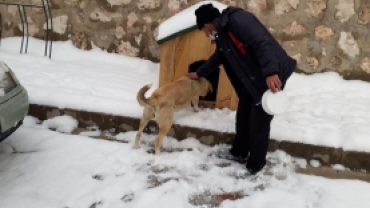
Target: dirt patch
95,204
128,197
155,181
98,177
207,199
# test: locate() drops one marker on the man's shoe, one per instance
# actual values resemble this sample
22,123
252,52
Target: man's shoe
253,169
228,156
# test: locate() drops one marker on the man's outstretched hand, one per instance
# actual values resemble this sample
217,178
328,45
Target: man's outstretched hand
192,75
274,83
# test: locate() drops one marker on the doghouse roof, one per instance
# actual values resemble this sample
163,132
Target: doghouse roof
182,22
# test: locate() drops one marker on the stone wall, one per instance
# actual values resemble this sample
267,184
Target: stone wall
323,35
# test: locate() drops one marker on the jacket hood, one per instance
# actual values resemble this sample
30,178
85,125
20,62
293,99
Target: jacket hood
222,21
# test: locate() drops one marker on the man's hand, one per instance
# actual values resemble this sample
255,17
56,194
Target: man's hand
274,83
192,75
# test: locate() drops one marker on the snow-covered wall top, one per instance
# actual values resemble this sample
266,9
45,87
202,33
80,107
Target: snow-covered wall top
183,20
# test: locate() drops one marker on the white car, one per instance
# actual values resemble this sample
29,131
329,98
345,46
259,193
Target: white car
14,102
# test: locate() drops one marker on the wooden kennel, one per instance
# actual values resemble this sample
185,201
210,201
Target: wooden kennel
180,50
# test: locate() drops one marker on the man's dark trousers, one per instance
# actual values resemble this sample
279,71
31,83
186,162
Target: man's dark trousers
252,131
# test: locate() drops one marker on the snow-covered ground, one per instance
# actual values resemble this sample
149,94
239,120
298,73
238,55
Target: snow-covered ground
325,109
43,168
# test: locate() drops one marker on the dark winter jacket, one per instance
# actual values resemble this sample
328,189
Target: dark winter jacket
264,56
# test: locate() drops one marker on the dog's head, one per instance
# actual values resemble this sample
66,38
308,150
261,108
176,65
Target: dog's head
205,86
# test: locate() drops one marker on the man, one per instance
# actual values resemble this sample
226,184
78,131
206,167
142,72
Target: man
254,62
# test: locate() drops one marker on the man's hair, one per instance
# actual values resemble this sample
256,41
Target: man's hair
206,13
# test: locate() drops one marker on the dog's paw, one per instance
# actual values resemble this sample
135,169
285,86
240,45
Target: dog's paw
196,110
135,146
158,152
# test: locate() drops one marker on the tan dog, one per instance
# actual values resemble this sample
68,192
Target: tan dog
165,101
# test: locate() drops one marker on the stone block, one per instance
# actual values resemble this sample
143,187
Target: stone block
357,160
84,119
325,155
273,145
124,124
53,113
37,111
205,136
226,138
70,112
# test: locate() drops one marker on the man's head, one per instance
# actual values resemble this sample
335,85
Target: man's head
205,14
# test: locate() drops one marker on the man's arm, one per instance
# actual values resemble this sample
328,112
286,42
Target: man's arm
208,67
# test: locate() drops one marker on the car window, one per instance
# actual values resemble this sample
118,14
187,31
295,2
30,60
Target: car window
3,70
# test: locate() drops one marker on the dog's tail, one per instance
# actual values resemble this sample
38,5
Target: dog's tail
140,97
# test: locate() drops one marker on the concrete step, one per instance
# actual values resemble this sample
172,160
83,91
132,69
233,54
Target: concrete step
327,156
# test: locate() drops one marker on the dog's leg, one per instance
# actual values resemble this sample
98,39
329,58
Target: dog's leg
147,115
195,102
164,119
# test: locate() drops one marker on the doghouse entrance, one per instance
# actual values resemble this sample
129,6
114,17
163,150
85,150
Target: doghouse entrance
208,101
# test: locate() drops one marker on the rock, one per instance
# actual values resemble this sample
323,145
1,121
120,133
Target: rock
364,16
81,5
119,32
125,48
71,2
298,58
103,16
323,32
312,62
208,140
315,8
284,6
294,29
323,52
13,10
147,19
256,6
229,2
32,27
7,24
148,4
39,3
365,64
131,19
80,41
348,44
336,61
345,10
174,6
118,2
126,127
138,38
59,24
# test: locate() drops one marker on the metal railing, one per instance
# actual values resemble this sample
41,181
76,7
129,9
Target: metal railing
1,27
23,16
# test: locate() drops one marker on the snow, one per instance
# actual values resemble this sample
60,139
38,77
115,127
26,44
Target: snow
44,168
64,124
324,109
338,167
183,20
92,131
315,163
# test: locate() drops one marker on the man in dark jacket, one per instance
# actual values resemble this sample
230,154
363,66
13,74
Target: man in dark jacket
254,62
